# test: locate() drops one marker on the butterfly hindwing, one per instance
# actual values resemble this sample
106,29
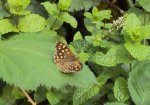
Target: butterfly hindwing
65,59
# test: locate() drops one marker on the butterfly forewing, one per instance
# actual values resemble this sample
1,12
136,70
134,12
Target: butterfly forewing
65,59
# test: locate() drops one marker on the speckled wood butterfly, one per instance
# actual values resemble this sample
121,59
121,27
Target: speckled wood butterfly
65,59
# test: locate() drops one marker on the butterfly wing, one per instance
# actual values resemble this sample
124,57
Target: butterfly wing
65,59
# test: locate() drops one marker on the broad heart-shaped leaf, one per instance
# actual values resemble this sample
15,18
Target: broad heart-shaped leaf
140,52
145,4
6,26
27,62
139,83
32,23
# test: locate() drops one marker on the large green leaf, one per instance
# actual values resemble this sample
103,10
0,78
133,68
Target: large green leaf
27,62
139,83
32,23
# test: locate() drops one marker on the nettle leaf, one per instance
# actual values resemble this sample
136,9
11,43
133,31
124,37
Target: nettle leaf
26,57
114,103
4,12
66,17
77,5
121,91
139,84
81,95
32,23
64,4
17,6
54,98
6,26
116,55
52,9
140,52
145,4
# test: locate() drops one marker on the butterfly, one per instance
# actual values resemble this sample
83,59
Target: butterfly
65,59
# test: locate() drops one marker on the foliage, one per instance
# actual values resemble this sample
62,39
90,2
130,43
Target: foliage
139,83
110,46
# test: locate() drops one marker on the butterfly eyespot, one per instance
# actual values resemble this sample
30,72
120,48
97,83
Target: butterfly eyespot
65,59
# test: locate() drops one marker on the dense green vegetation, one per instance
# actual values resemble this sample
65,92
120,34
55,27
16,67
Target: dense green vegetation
110,39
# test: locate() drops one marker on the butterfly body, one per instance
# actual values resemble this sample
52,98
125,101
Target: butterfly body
65,59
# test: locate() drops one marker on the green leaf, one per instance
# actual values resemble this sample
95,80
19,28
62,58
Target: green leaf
53,97
142,15
114,103
11,94
26,57
4,12
139,84
101,15
81,95
84,56
32,23
77,5
131,23
77,36
64,4
140,52
145,4
52,9
17,6
6,26
54,23
116,55
103,77
121,91
66,17
40,94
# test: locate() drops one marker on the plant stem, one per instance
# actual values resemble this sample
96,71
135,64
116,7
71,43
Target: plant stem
28,97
